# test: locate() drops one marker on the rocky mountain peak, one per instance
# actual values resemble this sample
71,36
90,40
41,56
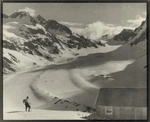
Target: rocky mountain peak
22,17
19,14
140,27
54,25
124,35
126,31
140,34
40,19
5,16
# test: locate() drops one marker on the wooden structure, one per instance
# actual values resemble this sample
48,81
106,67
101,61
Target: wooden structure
122,104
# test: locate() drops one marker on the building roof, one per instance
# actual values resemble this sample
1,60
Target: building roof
122,97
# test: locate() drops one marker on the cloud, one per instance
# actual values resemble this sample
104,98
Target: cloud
76,28
135,22
71,24
28,10
97,29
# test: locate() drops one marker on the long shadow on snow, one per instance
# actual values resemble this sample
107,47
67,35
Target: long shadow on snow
89,60
86,102
15,111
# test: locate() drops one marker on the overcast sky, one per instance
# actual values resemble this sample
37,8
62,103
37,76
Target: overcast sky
98,18
112,13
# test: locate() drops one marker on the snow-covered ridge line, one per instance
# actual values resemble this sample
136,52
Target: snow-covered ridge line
44,39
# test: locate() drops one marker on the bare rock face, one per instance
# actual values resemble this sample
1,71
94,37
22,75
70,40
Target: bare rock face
124,35
37,36
54,27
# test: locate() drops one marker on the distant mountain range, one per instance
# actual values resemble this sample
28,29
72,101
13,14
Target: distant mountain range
126,35
30,41
37,37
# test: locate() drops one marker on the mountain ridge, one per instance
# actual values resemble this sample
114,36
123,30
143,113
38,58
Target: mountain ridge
36,36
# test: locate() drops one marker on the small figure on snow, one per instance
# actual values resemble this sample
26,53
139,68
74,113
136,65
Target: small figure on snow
27,104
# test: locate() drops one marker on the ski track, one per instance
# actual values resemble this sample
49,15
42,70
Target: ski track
76,79
80,81
37,94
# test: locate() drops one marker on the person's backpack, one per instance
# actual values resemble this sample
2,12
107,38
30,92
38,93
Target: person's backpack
24,101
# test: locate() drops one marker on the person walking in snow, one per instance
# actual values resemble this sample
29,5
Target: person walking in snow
27,104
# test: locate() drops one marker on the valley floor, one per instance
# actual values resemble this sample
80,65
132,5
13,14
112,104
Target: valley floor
61,91
37,114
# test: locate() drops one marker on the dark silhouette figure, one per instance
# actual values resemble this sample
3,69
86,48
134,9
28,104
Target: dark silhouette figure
27,104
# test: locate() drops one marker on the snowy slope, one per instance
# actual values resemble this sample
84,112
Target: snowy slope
134,75
36,114
38,38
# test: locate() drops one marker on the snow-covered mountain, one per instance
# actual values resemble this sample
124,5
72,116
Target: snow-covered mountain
131,36
137,44
40,20
57,29
134,75
140,34
122,37
32,41
53,26
21,17
136,49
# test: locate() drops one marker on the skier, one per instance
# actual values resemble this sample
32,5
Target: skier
27,104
